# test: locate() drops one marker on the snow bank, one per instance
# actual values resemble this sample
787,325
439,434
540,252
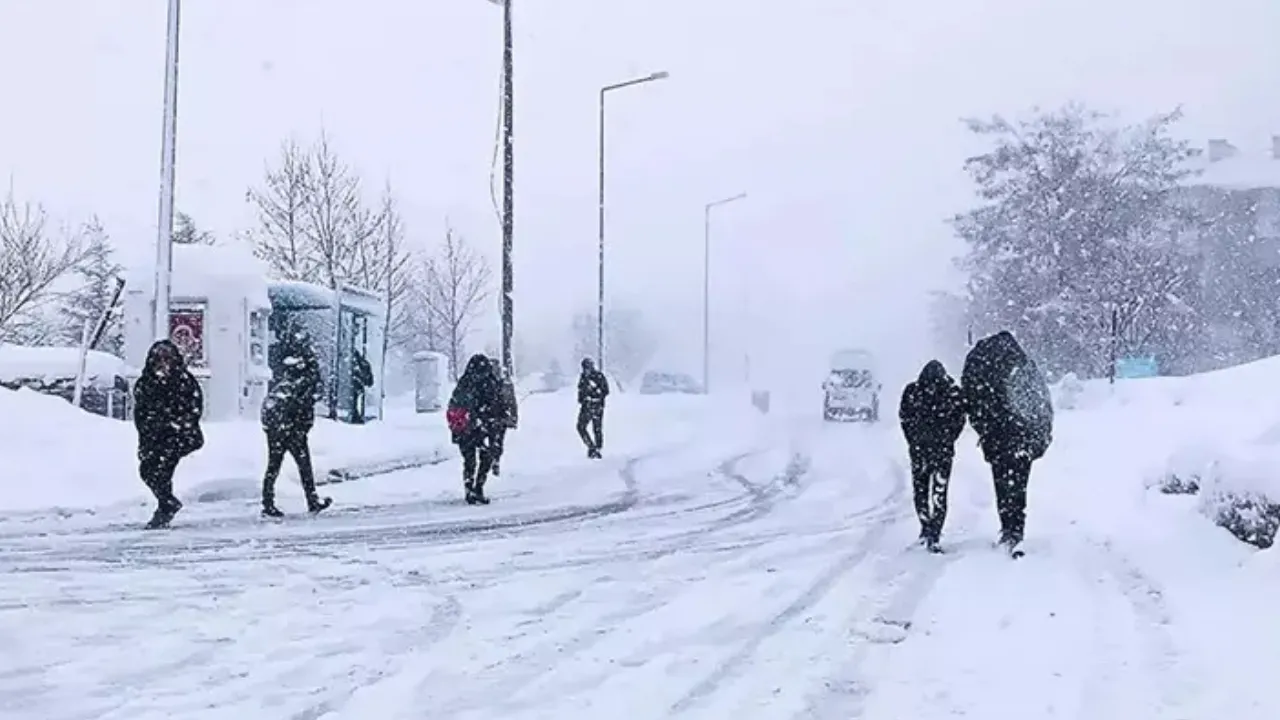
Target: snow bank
1222,432
48,364
57,456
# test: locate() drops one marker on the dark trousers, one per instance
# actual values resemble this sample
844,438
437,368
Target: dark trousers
295,444
930,478
1011,473
592,415
497,443
156,471
477,459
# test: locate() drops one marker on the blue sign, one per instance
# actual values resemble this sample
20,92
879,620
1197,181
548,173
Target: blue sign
1137,367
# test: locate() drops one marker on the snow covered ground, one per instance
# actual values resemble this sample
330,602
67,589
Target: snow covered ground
716,564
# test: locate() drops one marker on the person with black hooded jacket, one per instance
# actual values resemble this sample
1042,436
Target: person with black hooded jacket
475,413
167,406
932,417
593,390
1008,403
288,414
509,415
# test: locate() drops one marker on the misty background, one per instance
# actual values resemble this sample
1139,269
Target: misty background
840,120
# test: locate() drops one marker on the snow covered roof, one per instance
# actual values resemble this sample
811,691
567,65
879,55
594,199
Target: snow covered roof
18,362
1245,170
209,271
293,293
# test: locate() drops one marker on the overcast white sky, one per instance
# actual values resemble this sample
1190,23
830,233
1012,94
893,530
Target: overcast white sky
838,117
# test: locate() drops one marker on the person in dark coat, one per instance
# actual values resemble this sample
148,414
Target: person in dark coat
474,413
593,389
1008,403
509,413
932,417
167,405
361,380
288,414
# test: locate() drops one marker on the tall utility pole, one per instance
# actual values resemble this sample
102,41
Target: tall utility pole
706,286
168,163
600,288
508,187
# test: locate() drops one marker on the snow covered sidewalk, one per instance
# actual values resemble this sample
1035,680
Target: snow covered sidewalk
57,457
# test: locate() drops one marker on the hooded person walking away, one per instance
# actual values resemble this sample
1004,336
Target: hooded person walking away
1008,403
509,415
167,405
288,414
932,417
593,389
474,414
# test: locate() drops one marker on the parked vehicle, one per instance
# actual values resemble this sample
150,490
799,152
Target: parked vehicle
659,383
852,389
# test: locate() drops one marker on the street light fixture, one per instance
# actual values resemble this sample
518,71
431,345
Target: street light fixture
706,286
662,75
168,162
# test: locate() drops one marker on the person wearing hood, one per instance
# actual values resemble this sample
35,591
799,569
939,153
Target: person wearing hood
474,414
509,415
167,406
593,389
932,417
1008,403
288,414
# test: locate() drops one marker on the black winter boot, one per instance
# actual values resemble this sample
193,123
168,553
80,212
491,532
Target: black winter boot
316,505
270,510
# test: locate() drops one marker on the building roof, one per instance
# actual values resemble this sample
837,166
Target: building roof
1246,170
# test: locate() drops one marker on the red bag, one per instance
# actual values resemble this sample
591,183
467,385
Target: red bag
457,419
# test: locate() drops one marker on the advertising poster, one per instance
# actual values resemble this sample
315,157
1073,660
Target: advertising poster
186,329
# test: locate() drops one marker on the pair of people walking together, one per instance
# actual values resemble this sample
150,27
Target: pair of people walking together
1005,397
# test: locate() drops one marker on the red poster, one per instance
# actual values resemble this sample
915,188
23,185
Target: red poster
186,329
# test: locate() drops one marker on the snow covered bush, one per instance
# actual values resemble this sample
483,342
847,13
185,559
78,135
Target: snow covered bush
1242,495
1067,392
1186,471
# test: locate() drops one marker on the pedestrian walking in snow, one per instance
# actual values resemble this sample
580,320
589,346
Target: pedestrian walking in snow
593,389
361,380
288,414
932,417
509,415
1008,403
474,414
167,405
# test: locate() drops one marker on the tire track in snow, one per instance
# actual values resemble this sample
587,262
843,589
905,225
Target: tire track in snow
1162,660
882,517
528,667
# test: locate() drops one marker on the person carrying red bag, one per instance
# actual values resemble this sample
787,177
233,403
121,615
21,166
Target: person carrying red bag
474,415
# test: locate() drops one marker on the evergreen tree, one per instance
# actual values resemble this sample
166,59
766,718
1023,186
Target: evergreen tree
96,276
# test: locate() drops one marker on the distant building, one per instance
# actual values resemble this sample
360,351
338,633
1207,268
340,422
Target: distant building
1237,248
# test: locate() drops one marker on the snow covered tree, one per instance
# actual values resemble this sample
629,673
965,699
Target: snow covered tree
449,291
382,262
1080,218
32,261
281,206
185,232
97,275
314,223
629,341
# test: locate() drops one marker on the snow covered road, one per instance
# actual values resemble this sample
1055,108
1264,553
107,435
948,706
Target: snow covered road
770,575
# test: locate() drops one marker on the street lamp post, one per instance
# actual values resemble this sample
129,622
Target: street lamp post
706,286
507,303
168,162
600,288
